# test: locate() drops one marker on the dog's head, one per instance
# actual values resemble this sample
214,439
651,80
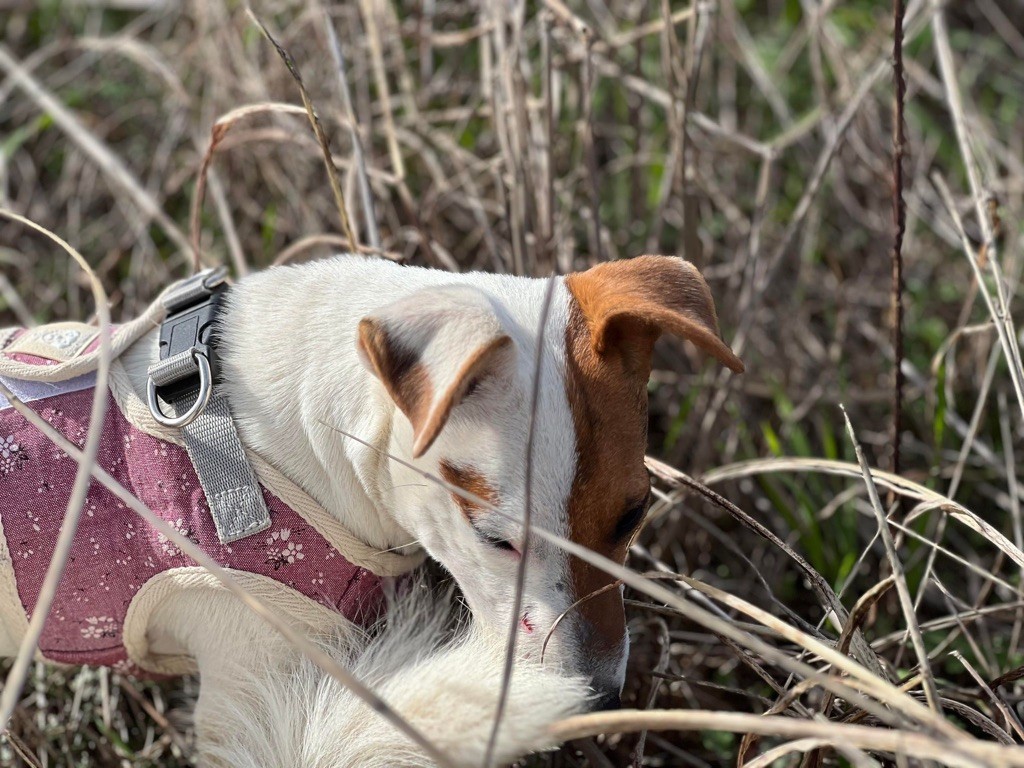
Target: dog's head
459,361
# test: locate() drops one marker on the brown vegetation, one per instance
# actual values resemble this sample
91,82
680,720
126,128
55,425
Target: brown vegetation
755,138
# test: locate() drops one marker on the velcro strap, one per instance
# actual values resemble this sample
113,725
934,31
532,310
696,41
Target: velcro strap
231,488
56,341
174,368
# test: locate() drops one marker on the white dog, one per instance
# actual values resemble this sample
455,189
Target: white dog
330,369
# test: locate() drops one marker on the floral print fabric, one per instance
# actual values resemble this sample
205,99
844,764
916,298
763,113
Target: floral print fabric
115,551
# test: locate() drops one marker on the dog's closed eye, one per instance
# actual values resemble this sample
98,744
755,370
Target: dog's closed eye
497,542
631,519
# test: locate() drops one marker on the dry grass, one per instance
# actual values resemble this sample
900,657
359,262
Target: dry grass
794,618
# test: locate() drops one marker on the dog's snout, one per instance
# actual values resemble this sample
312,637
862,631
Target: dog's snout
607,701
604,663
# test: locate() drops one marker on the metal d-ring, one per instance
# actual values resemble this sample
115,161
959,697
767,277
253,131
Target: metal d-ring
205,390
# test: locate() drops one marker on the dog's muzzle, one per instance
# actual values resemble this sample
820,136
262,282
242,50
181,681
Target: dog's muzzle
607,701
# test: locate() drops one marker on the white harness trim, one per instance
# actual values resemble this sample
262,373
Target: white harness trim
153,593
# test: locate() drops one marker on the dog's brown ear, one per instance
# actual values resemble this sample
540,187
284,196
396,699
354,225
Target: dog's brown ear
429,349
629,303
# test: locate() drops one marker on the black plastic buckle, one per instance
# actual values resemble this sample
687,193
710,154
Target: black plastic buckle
191,327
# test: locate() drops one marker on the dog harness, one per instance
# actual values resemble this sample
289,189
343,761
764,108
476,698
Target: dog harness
117,558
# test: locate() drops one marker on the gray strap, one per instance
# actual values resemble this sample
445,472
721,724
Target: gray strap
230,485
231,488
175,368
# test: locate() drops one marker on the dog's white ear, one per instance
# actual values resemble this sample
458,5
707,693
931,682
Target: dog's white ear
630,302
429,349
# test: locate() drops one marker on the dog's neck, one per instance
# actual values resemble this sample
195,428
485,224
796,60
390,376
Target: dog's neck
292,375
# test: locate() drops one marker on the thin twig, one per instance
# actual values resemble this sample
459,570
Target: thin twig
931,692
318,130
380,77
1000,310
664,656
973,753
524,551
1015,512
1009,717
358,155
587,86
218,132
83,478
899,215
828,597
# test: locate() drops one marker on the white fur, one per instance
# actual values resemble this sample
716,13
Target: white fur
294,378
293,714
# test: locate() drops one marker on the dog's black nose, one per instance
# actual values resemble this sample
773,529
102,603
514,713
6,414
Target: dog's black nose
608,701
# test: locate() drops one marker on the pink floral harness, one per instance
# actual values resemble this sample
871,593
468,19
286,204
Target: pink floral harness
116,552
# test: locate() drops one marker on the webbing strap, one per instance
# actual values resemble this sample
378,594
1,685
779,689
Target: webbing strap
173,369
232,490
187,350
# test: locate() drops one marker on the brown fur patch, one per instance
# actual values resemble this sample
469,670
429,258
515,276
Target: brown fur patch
471,481
618,309
608,397
629,303
400,370
408,381
473,366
